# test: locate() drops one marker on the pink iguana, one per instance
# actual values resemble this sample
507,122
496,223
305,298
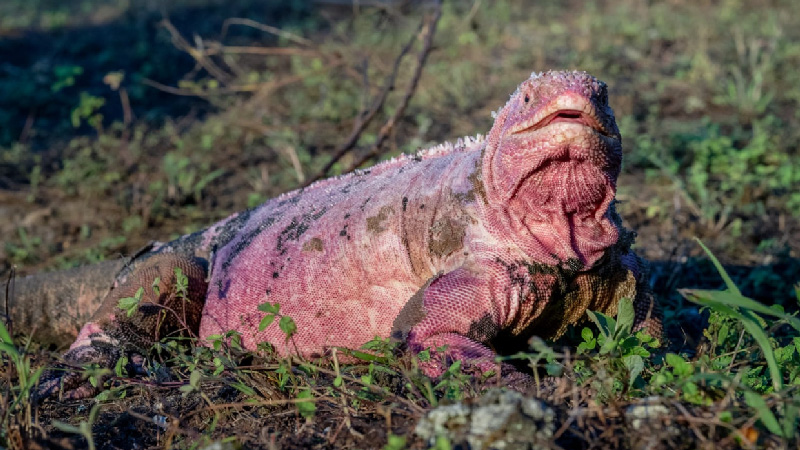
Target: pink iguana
475,246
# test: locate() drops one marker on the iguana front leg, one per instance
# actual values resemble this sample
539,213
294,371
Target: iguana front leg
171,290
647,310
463,310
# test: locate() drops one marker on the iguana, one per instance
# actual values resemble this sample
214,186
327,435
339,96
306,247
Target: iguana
466,249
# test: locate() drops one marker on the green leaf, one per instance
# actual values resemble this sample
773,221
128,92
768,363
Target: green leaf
424,355
587,346
442,443
587,334
266,321
128,304
5,336
765,415
725,277
244,389
10,349
722,334
395,442
625,316
154,286
306,408
270,308
120,366
288,326
454,368
755,330
93,413
635,365
681,367
194,378
790,414
604,323
753,326
67,428
608,346
735,300
554,369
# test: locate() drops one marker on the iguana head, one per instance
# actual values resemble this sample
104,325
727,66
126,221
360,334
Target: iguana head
551,165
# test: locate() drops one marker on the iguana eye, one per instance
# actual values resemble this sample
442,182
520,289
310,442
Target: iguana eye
527,98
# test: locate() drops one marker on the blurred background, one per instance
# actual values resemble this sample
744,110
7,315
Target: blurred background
123,122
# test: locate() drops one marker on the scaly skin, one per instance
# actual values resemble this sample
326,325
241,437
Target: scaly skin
474,246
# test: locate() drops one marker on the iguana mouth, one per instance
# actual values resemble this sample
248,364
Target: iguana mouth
566,109
570,116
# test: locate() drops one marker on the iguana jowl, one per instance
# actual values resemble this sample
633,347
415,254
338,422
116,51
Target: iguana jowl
475,246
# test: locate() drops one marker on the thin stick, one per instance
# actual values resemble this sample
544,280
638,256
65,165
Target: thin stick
260,26
412,86
281,51
366,117
198,53
9,292
428,28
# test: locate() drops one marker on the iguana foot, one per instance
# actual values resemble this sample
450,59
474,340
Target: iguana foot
167,293
68,380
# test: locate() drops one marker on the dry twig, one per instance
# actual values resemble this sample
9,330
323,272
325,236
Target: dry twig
198,52
428,29
266,28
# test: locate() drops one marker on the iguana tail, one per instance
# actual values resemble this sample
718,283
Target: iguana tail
52,306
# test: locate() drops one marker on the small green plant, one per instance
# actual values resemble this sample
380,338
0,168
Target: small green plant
285,323
395,442
306,407
782,360
24,251
615,352
15,400
184,179
87,110
65,76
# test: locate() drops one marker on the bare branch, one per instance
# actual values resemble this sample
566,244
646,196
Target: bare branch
428,28
198,53
412,87
268,86
266,28
281,51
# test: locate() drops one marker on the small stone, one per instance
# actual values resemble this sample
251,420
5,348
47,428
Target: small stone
500,419
650,412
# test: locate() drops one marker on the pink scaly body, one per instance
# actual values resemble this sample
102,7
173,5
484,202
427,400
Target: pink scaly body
476,245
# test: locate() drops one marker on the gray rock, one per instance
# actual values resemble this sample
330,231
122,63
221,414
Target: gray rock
651,427
500,419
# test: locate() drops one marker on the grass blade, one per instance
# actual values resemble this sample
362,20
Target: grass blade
725,277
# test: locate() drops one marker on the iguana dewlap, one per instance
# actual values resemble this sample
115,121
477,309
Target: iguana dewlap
475,246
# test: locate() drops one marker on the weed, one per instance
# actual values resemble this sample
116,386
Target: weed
20,381
25,250
780,355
